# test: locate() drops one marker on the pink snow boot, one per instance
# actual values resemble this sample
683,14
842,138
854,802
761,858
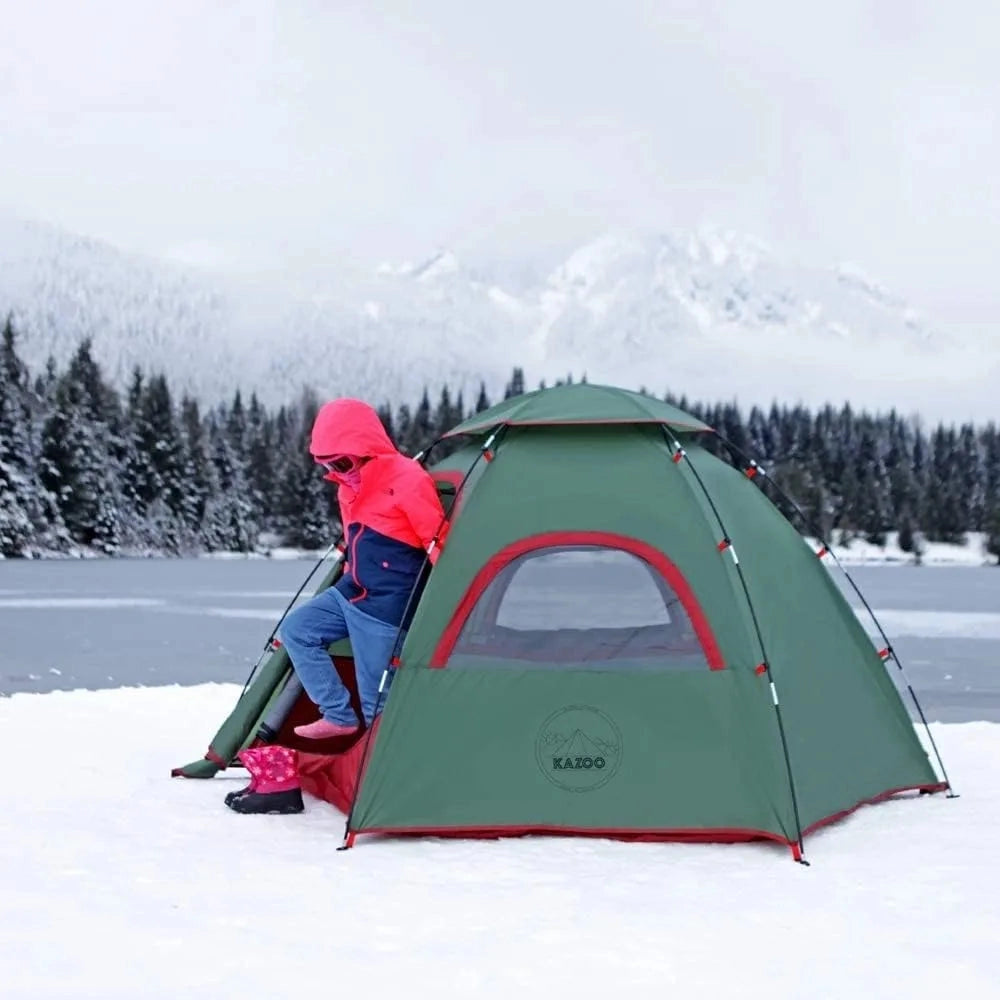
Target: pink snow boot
274,782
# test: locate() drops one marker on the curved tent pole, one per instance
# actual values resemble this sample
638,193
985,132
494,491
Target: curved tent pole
752,470
678,455
487,452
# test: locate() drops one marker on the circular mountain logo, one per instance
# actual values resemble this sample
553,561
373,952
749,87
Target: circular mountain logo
578,748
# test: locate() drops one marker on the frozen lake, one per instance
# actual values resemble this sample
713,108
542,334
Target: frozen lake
111,623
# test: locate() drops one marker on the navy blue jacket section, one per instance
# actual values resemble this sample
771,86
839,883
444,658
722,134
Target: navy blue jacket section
380,574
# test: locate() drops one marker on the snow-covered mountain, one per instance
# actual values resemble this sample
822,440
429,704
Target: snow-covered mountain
710,314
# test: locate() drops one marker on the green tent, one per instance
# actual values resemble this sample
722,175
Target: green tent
623,636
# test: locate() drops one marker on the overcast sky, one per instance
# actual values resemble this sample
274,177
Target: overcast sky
286,131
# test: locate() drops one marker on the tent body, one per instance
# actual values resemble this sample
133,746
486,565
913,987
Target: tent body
623,637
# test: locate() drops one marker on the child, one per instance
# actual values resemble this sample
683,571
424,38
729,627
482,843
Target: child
391,514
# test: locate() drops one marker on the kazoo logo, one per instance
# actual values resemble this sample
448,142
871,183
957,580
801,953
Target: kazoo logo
578,748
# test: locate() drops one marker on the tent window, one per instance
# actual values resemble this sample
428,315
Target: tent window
578,605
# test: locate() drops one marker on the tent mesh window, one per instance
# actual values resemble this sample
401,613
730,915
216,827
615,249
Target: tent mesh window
578,605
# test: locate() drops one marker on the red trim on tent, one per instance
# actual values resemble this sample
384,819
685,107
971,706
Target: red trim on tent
940,786
214,757
605,539
721,835
710,835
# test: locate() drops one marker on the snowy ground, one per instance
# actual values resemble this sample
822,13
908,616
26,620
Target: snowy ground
862,553
118,882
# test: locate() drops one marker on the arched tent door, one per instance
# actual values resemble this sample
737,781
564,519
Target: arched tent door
581,599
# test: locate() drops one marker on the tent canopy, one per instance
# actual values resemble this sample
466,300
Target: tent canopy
580,403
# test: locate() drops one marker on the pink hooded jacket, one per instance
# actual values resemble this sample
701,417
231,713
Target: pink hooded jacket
392,518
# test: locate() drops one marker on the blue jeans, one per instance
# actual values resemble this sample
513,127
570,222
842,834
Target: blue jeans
310,628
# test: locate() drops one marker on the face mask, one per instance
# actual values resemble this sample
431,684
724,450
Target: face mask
350,479
345,469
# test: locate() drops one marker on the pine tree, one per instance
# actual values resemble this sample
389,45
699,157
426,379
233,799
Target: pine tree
731,426
515,387
444,415
991,505
921,478
903,498
45,385
162,445
75,467
312,516
17,531
404,427
259,458
140,472
482,400
420,432
98,400
236,431
306,515
385,418
971,476
197,473
872,502
229,522
945,514
282,501
761,442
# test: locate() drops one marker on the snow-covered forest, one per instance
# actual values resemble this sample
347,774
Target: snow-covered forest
84,467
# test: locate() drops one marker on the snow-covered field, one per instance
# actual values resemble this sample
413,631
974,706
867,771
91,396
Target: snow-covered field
862,553
118,882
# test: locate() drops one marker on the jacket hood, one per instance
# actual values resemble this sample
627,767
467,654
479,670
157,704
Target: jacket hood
349,427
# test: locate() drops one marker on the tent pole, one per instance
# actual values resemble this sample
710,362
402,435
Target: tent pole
487,452
678,455
827,548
